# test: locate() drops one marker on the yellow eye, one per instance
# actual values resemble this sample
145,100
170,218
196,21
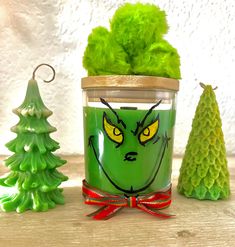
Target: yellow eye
149,132
113,132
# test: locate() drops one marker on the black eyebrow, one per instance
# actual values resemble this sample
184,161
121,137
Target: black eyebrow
141,124
103,101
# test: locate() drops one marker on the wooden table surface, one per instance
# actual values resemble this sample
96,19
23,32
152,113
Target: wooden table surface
197,223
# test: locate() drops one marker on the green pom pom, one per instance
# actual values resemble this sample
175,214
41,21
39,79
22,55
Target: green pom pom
159,59
103,56
134,45
135,26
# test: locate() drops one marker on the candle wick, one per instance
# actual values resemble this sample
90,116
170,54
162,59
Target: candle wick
202,85
44,64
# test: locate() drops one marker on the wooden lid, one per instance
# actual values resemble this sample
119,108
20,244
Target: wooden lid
129,82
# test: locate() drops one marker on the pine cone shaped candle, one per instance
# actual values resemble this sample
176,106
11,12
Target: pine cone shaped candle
204,173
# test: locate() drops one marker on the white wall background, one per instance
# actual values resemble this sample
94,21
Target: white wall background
56,31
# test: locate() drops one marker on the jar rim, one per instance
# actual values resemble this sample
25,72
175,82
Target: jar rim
129,82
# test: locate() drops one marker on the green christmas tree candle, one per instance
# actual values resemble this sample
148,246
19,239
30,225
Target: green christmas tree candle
33,165
204,173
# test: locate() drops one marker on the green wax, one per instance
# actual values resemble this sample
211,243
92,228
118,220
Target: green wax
150,157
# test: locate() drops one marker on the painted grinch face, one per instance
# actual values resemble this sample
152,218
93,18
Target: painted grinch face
128,146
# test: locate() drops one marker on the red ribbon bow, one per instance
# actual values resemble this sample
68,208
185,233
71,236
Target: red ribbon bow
111,204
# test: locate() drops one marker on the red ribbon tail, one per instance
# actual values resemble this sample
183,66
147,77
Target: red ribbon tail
105,212
155,212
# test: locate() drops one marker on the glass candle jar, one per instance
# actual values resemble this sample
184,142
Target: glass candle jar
128,133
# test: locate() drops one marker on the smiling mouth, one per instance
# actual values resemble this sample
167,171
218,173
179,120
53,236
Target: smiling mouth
131,190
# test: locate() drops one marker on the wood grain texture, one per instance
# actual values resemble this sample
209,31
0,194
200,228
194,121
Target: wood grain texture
197,223
130,81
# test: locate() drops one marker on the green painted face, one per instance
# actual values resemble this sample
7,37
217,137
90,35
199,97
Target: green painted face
128,151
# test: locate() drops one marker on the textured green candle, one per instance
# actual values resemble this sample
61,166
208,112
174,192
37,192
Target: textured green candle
119,159
204,173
